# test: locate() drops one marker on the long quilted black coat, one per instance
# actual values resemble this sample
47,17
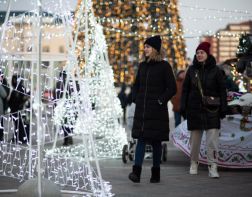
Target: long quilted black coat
198,116
154,81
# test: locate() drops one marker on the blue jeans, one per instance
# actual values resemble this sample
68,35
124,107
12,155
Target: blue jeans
156,152
177,117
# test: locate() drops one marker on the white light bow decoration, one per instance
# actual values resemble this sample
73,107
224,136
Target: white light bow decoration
20,54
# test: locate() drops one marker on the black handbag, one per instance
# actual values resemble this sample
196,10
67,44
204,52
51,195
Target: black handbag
211,101
208,101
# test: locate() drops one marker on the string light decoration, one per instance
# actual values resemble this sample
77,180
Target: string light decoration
245,45
194,34
244,63
147,20
110,135
240,67
187,33
20,161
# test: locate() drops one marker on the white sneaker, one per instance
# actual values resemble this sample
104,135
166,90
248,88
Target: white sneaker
194,167
212,169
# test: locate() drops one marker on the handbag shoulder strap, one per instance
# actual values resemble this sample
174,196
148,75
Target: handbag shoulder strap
201,92
199,83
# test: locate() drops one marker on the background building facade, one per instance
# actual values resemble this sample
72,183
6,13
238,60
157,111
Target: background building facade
225,41
20,43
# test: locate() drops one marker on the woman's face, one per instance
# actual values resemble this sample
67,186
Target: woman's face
147,50
201,55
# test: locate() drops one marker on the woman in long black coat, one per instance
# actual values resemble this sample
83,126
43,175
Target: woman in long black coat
200,117
154,87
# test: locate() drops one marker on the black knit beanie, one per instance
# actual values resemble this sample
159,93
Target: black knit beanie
154,42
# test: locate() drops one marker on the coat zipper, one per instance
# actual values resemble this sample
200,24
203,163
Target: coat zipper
203,82
145,97
200,77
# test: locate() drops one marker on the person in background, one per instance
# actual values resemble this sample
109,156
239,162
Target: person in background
3,98
130,110
154,86
206,76
6,86
57,95
17,101
176,99
230,84
123,100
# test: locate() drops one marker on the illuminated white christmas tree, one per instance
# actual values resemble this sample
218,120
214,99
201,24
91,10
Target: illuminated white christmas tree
110,135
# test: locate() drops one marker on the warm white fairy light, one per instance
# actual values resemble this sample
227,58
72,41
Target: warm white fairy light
132,21
51,22
193,34
59,169
224,10
107,110
185,6
110,135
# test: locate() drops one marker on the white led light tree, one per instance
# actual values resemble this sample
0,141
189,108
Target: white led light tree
110,135
31,161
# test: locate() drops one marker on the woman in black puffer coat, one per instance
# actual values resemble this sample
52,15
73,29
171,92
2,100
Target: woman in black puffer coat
154,87
199,116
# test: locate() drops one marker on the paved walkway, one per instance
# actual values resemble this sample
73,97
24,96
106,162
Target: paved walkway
175,179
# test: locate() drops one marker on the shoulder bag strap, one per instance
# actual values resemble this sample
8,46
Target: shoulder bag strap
199,83
201,92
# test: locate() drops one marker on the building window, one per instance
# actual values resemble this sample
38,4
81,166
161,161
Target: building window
61,49
29,49
46,49
45,64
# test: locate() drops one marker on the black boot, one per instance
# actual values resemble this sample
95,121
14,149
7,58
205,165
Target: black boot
135,174
66,142
155,175
70,140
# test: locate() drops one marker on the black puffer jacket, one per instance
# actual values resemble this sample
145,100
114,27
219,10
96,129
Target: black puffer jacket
213,84
155,81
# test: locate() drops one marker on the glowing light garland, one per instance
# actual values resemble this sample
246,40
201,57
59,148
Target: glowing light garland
60,168
56,25
110,135
171,4
133,21
130,36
